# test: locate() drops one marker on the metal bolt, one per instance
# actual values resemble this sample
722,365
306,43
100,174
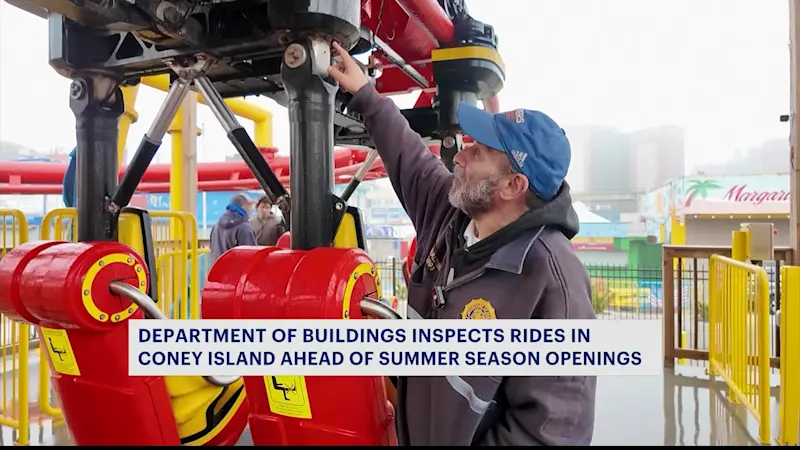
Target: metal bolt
295,55
116,317
130,310
449,142
130,260
102,317
339,206
355,276
138,268
372,271
101,264
76,90
346,314
142,283
86,292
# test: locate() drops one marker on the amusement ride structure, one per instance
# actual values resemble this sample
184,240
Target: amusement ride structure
80,295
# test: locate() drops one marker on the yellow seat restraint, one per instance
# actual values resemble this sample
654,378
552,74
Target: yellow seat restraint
201,409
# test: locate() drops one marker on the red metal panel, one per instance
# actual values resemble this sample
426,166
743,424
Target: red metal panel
323,283
101,403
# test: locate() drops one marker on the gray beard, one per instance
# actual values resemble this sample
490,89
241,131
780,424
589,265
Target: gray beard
474,199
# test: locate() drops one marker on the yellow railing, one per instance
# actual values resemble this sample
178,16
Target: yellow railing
175,239
789,403
14,342
739,349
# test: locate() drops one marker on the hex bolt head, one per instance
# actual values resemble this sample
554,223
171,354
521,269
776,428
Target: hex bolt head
295,55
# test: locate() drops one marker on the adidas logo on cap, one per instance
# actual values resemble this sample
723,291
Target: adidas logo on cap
519,157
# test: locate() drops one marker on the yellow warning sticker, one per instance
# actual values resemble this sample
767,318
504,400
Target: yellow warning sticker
288,396
60,351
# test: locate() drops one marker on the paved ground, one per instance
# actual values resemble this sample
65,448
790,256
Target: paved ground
681,408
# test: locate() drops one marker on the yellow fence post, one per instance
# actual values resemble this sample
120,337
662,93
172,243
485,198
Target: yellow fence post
740,250
789,402
15,338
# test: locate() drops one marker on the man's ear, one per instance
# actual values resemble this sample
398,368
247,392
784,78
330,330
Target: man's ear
516,186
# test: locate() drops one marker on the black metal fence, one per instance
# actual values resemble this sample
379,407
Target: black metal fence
618,292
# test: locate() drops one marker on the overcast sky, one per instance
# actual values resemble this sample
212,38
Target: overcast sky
720,68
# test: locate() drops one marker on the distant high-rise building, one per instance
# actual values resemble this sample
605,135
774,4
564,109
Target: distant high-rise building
770,157
610,169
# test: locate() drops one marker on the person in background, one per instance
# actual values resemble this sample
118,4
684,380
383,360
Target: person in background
267,224
493,242
232,228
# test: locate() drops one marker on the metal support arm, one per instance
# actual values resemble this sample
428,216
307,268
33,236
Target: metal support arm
241,140
97,103
311,110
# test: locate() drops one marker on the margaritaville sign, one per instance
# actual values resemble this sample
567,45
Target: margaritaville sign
743,193
753,194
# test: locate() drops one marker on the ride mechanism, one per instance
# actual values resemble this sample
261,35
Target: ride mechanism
81,295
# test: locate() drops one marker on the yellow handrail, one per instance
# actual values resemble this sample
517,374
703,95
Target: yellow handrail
14,338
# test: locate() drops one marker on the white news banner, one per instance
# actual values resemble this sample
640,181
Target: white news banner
395,347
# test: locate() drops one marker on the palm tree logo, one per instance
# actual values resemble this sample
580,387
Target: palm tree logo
699,188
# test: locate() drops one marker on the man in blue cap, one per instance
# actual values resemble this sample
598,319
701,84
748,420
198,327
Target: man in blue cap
493,242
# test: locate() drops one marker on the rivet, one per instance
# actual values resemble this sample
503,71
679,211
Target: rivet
116,317
86,292
101,263
355,276
138,268
130,260
372,271
142,283
130,310
102,317
347,314
378,282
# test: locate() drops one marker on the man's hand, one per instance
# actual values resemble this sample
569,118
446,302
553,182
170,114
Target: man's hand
347,72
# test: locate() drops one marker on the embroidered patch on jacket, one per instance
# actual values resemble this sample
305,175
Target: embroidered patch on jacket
478,309
432,262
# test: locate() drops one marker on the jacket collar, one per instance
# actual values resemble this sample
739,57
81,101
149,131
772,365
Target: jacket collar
511,257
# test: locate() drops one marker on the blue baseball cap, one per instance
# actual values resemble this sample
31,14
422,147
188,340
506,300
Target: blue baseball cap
537,146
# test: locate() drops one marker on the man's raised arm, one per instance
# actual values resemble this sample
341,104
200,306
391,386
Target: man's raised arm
420,180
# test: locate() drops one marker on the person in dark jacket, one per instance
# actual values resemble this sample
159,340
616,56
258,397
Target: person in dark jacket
267,225
493,242
232,228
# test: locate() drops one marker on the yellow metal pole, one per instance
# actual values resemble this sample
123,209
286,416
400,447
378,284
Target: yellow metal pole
239,106
741,298
789,430
740,245
263,133
176,164
128,118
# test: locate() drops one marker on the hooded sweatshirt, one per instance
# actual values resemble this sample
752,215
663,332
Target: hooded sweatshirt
231,230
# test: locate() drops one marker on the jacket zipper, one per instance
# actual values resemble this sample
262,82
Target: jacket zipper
464,279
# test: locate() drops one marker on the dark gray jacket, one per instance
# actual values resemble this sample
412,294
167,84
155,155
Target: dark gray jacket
268,230
232,230
537,275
